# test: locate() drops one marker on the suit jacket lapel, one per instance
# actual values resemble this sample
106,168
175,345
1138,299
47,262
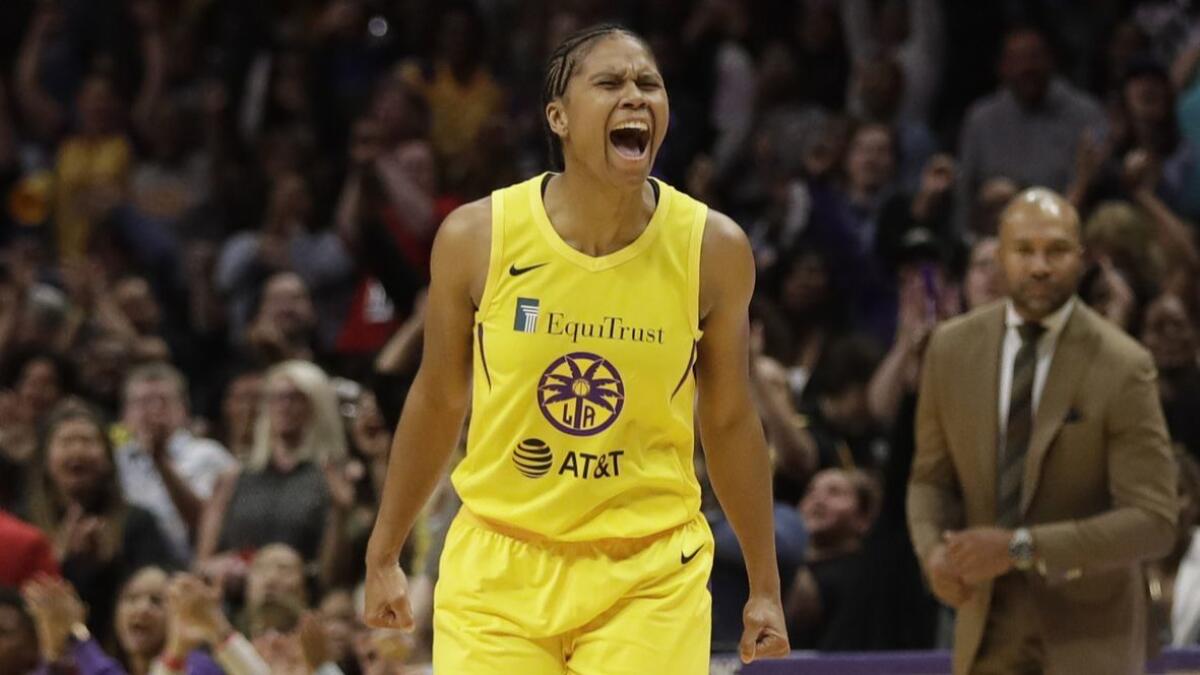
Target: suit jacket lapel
982,395
1071,357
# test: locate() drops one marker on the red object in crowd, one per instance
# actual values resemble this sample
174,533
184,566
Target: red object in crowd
27,552
371,319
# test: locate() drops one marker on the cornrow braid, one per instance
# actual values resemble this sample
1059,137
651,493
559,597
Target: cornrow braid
561,66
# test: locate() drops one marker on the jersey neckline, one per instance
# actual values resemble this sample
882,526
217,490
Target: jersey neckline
603,262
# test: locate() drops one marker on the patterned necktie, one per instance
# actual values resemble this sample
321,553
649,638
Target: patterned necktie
1011,465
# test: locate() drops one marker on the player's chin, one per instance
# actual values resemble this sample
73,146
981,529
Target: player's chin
632,168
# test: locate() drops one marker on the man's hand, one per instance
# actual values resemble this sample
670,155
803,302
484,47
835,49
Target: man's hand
386,603
947,585
156,439
979,553
764,635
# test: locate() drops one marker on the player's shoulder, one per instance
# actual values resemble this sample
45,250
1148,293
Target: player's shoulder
723,236
468,228
463,244
726,263
467,221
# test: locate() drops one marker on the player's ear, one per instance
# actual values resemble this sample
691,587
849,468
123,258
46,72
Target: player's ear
556,117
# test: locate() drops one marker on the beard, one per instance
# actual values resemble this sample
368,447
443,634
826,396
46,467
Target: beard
1041,303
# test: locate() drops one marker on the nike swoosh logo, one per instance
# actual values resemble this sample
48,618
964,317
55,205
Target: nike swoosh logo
518,271
685,559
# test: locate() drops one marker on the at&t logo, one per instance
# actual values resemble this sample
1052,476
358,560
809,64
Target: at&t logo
534,459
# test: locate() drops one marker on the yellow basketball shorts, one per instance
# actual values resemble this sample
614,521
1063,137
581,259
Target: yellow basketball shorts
509,606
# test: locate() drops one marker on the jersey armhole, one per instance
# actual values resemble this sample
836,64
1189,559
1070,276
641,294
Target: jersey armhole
495,257
693,269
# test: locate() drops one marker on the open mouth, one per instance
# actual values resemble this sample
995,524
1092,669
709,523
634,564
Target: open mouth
630,139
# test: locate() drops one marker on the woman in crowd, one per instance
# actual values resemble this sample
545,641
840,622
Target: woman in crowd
99,538
291,489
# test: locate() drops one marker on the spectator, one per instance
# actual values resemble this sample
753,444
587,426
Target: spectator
284,326
1029,130
845,224
462,93
1169,333
275,578
820,54
291,489
810,315
18,637
340,619
239,409
41,379
194,622
879,85
839,416
134,298
287,242
1127,265
838,510
914,39
164,468
102,362
99,537
92,168
172,181
982,283
141,619
382,652
66,644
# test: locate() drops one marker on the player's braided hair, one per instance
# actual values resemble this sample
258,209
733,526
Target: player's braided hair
561,66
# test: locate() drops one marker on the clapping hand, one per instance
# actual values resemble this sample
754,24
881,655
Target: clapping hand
56,609
196,618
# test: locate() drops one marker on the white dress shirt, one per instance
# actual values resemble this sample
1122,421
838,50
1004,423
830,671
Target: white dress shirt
198,461
1054,324
1185,603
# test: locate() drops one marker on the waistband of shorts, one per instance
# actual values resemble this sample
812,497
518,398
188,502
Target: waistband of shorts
610,545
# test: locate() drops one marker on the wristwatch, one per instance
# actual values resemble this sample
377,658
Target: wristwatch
1020,549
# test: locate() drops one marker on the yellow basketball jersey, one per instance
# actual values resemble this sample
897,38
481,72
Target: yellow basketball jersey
581,424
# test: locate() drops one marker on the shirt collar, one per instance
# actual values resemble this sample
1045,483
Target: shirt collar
1054,323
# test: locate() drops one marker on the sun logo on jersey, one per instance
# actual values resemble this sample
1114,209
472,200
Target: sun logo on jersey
581,394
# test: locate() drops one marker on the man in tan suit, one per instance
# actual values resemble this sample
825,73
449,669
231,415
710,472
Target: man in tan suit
1043,477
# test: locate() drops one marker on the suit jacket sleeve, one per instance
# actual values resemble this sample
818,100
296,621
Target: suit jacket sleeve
934,496
1142,485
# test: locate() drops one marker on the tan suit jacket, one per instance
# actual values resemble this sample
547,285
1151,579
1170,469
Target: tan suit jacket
1099,492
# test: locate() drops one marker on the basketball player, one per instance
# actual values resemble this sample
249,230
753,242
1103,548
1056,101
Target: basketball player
584,313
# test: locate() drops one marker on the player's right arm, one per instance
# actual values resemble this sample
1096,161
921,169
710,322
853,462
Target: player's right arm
433,413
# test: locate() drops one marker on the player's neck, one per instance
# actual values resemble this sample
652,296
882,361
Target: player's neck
597,218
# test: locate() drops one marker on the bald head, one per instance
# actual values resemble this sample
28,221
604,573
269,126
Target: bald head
1040,252
1041,205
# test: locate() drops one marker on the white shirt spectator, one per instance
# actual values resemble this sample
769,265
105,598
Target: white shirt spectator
198,461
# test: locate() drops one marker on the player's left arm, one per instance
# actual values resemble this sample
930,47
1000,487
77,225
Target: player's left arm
735,449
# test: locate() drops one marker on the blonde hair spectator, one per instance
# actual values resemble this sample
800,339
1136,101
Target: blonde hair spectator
324,439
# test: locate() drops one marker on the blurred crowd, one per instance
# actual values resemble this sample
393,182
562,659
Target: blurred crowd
215,222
